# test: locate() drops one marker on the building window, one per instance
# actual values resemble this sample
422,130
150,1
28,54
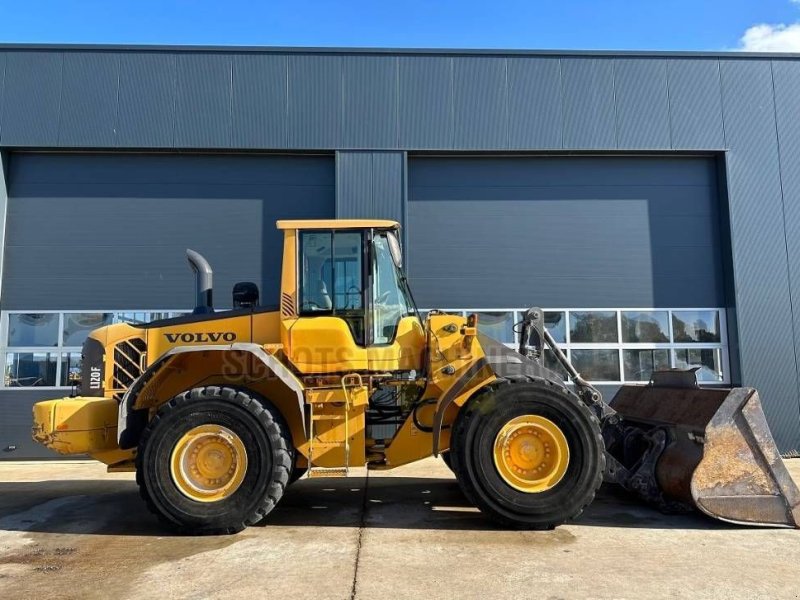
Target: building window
624,345
43,349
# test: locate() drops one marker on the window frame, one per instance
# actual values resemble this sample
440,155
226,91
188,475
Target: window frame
568,346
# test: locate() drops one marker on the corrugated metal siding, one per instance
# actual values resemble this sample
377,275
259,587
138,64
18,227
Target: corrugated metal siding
370,102
203,101
589,111
695,104
759,243
425,111
2,89
315,101
147,90
15,426
786,76
89,100
260,105
32,99
110,231
564,232
480,96
535,118
370,185
642,104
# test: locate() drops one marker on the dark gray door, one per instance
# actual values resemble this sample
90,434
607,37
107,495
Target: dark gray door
564,232
110,231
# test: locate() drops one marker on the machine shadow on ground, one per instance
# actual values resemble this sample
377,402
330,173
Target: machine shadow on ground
114,507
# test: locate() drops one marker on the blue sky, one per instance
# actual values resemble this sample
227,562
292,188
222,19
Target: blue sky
564,24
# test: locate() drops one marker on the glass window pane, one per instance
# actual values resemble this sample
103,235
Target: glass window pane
78,325
556,324
597,365
639,364
315,283
650,327
497,325
347,271
389,298
33,329
695,326
30,369
70,368
709,362
596,327
551,363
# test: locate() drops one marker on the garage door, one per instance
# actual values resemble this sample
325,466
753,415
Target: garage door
564,232
93,231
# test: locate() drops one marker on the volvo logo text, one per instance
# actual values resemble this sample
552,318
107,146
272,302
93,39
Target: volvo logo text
194,338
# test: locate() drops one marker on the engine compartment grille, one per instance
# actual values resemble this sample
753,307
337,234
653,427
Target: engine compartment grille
128,362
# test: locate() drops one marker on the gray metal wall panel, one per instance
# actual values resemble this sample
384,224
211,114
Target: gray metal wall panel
2,90
426,102
480,88
315,101
786,76
32,99
695,104
641,221
589,112
370,185
61,253
370,102
15,425
642,104
535,118
759,244
147,90
260,105
3,212
203,101
89,95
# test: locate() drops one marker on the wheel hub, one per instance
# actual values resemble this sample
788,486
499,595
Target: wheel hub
531,453
208,463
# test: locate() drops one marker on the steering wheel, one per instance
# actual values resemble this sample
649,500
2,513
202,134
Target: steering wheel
383,297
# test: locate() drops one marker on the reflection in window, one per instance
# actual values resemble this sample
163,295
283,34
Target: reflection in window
709,361
79,325
596,327
390,303
551,362
645,327
597,365
696,326
33,329
640,364
70,368
30,369
497,325
556,324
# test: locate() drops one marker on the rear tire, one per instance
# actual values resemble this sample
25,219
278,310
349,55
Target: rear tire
261,459
474,458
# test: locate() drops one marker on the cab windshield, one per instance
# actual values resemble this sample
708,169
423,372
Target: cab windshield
391,299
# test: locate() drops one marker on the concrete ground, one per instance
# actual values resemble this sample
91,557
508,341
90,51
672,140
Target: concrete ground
73,531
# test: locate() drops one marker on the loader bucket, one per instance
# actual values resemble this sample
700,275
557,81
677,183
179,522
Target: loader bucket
720,456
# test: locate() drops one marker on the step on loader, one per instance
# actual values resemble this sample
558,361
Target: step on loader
218,412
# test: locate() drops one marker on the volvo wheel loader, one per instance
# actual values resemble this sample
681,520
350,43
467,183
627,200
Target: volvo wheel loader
219,411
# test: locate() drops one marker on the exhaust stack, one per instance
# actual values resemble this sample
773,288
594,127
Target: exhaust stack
203,277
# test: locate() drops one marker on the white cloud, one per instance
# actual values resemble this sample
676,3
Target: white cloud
772,38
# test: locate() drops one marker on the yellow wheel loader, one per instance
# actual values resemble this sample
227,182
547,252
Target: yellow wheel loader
218,412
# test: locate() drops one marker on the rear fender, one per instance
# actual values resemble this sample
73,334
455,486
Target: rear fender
148,392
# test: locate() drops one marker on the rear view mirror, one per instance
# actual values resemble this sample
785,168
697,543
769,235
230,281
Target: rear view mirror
395,249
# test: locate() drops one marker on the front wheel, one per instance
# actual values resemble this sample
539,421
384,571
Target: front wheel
214,460
529,455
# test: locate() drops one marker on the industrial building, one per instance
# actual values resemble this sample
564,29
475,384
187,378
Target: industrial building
650,202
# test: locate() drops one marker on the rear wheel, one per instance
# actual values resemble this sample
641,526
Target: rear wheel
214,460
529,455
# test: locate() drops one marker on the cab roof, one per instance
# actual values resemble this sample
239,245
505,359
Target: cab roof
338,224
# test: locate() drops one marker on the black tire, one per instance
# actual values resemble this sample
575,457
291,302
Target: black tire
297,473
270,456
475,430
447,460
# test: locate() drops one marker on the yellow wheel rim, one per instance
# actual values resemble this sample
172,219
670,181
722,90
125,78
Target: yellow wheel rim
531,454
208,463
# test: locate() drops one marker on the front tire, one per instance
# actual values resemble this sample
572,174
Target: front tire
528,455
213,461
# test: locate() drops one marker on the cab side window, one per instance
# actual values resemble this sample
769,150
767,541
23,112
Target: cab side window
331,277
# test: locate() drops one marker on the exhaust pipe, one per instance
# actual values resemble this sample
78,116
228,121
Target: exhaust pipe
203,277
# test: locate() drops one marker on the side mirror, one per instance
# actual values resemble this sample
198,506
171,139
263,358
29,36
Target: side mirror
245,294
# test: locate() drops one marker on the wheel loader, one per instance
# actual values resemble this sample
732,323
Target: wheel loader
218,412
